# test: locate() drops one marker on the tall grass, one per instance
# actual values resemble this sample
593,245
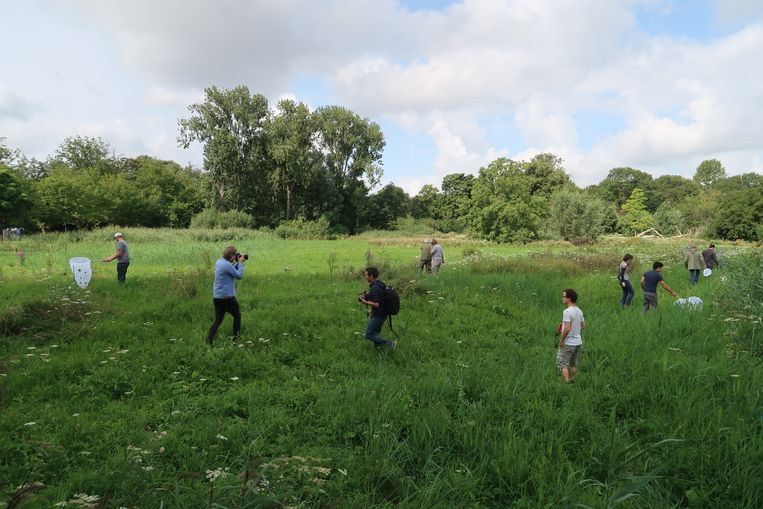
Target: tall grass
110,392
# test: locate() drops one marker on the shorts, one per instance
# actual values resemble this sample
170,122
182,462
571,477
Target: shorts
568,356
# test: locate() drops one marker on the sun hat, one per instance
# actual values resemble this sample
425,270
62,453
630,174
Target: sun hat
707,272
117,234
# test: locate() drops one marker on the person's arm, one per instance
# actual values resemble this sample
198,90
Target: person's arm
642,282
235,271
374,300
113,257
669,289
565,331
582,326
621,276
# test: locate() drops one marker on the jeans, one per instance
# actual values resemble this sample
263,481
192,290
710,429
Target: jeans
628,293
122,271
373,331
693,276
223,306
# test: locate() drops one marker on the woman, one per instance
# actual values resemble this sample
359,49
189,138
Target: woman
624,276
437,258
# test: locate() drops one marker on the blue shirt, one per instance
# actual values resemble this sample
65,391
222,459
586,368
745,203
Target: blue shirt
377,295
225,273
651,279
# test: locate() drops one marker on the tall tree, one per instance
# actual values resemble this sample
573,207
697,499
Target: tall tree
390,203
635,216
619,184
83,152
231,126
669,189
290,144
16,198
427,203
547,174
709,172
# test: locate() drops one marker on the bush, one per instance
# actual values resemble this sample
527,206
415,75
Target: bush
211,218
577,216
301,229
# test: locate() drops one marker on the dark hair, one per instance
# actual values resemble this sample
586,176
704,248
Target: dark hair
627,257
372,271
571,294
712,245
656,265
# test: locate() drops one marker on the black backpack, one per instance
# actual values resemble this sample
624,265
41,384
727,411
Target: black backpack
391,301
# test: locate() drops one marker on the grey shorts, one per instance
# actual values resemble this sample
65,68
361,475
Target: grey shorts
568,356
650,300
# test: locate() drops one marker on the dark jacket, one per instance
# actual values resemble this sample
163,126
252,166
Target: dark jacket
377,295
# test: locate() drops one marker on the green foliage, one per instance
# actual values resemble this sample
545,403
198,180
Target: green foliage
743,300
669,189
577,216
709,172
81,153
635,217
212,218
739,214
427,203
16,198
668,220
299,228
386,206
620,183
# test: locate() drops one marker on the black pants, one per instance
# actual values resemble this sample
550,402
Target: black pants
223,306
122,271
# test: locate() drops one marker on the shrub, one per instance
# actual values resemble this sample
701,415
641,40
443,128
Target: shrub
301,229
577,216
211,218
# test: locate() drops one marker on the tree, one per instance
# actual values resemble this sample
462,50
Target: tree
669,189
669,220
171,194
620,183
635,217
16,198
83,152
231,126
547,174
290,144
390,203
577,216
456,200
351,148
503,207
68,198
738,183
740,214
709,172
427,203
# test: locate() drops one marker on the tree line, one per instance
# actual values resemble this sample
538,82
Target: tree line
265,166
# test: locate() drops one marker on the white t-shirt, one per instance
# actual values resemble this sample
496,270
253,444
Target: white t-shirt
574,316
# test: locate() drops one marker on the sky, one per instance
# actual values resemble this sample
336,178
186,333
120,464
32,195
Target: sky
656,85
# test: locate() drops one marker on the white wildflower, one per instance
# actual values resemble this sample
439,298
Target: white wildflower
220,437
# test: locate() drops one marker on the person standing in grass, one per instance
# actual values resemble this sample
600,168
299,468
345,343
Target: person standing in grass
122,256
425,258
710,257
624,276
377,315
227,269
694,262
649,283
437,258
570,340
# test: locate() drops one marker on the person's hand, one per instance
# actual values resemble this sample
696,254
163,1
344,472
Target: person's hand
622,284
561,344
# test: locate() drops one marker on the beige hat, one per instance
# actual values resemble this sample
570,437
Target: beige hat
117,234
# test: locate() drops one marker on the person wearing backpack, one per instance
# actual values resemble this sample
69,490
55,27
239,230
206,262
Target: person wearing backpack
375,298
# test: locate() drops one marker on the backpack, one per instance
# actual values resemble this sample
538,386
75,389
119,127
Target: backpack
391,301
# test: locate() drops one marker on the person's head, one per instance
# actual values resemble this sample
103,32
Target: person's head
657,266
118,236
627,258
712,246
229,253
569,296
371,274
434,241
693,248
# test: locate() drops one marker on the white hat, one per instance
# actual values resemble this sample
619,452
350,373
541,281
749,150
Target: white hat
117,234
707,272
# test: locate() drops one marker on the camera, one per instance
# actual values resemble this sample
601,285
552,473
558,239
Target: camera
363,296
239,255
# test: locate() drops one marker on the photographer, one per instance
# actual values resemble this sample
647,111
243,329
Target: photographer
227,269
375,299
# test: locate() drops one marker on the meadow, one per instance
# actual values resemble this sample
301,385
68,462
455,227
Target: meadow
109,396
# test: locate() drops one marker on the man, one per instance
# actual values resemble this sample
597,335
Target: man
570,340
227,269
693,261
649,285
710,257
122,256
377,315
425,259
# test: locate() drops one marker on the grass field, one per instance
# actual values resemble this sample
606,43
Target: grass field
110,398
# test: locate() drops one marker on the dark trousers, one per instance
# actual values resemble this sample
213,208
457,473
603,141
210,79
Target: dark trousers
693,276
223,306
122,271
627,294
